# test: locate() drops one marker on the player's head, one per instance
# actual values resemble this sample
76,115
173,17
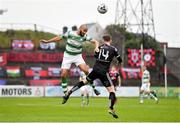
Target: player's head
113,68
83,30
144,67
107,38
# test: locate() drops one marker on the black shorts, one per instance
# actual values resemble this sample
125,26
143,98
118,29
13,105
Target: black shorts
104,78
115,82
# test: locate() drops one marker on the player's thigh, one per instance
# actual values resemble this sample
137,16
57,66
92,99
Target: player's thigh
92,76
115,83
148,88
83,67
106,80
79,61
143,87
111,88
64,72
66,63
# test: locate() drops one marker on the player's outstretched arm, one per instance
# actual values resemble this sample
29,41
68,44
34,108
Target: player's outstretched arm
119,59
119,77
96,43
55,39
119,81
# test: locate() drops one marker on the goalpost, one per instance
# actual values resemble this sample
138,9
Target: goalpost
165,72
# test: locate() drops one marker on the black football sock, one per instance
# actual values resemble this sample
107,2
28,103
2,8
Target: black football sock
76,87
92,86
112,98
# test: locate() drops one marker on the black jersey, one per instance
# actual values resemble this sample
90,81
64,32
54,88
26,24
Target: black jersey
105,56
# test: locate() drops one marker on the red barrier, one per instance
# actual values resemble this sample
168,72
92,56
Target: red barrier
44,82
131,73
3,59
34,57
31,73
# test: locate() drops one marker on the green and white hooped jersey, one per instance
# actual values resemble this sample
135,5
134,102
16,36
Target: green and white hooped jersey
74,42
146,77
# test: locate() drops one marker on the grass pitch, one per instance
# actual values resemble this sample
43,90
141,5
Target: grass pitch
51,110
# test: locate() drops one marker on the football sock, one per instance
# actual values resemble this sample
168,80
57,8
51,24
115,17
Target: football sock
151,95
83,100
154,93
141,96
92,86
112,98
64,84
90,83
87,97
76,87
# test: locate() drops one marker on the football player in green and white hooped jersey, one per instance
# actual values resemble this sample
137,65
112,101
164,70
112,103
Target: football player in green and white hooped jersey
145,87
73,52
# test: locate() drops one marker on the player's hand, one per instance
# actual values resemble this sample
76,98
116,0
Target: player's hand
44,41
96,50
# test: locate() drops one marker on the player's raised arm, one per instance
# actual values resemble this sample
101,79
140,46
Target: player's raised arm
118,57
96,43
119,80
55,39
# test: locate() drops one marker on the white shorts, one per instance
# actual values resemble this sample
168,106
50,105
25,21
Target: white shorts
69,59
145,87
85,89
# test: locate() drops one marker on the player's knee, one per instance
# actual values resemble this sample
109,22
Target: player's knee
147,92
111,89
86,72
141,91
85,81
63,74
89,80
84,68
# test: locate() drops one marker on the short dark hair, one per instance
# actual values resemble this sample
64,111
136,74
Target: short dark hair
106,37
83,26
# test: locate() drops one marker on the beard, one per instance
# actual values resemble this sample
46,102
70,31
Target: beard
81,34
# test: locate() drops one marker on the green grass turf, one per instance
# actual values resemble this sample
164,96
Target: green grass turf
51,110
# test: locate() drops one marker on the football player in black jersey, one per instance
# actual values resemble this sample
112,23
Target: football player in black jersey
100,71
